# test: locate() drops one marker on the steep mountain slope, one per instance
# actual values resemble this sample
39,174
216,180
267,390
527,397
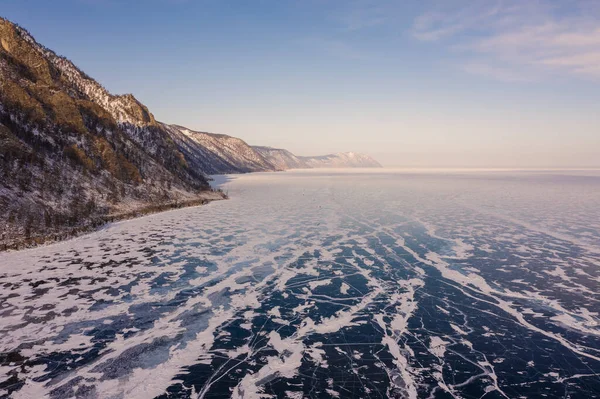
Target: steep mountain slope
133,117
217,153
283,159
280,158
71,154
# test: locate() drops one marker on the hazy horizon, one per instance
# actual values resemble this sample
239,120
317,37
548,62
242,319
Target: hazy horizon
464,84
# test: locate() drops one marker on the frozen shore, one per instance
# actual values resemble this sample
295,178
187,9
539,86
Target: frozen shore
95,223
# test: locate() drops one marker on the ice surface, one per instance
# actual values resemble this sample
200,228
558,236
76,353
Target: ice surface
320,284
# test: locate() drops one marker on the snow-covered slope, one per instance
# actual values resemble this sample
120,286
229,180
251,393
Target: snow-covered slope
220,154
341,160
280,158
217,153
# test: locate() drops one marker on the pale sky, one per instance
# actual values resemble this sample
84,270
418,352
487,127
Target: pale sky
453,83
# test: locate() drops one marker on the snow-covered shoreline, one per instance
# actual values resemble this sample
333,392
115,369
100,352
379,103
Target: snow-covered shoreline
24,243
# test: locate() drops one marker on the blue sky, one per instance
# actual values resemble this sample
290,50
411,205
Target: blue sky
414,83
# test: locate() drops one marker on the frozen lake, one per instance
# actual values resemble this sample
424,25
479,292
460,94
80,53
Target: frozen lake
322,284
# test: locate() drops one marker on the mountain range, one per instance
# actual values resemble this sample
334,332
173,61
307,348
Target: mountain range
283,159
73,155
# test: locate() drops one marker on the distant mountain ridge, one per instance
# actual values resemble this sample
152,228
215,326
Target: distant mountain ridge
72,154
283,159
342,160
217,153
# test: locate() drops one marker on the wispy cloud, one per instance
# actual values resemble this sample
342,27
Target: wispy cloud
347,21
453,19
361,14
513,37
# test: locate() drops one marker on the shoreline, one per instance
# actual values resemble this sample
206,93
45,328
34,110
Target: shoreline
97,223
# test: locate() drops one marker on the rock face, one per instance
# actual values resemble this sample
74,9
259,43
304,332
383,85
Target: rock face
218,153
72,153
283,159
